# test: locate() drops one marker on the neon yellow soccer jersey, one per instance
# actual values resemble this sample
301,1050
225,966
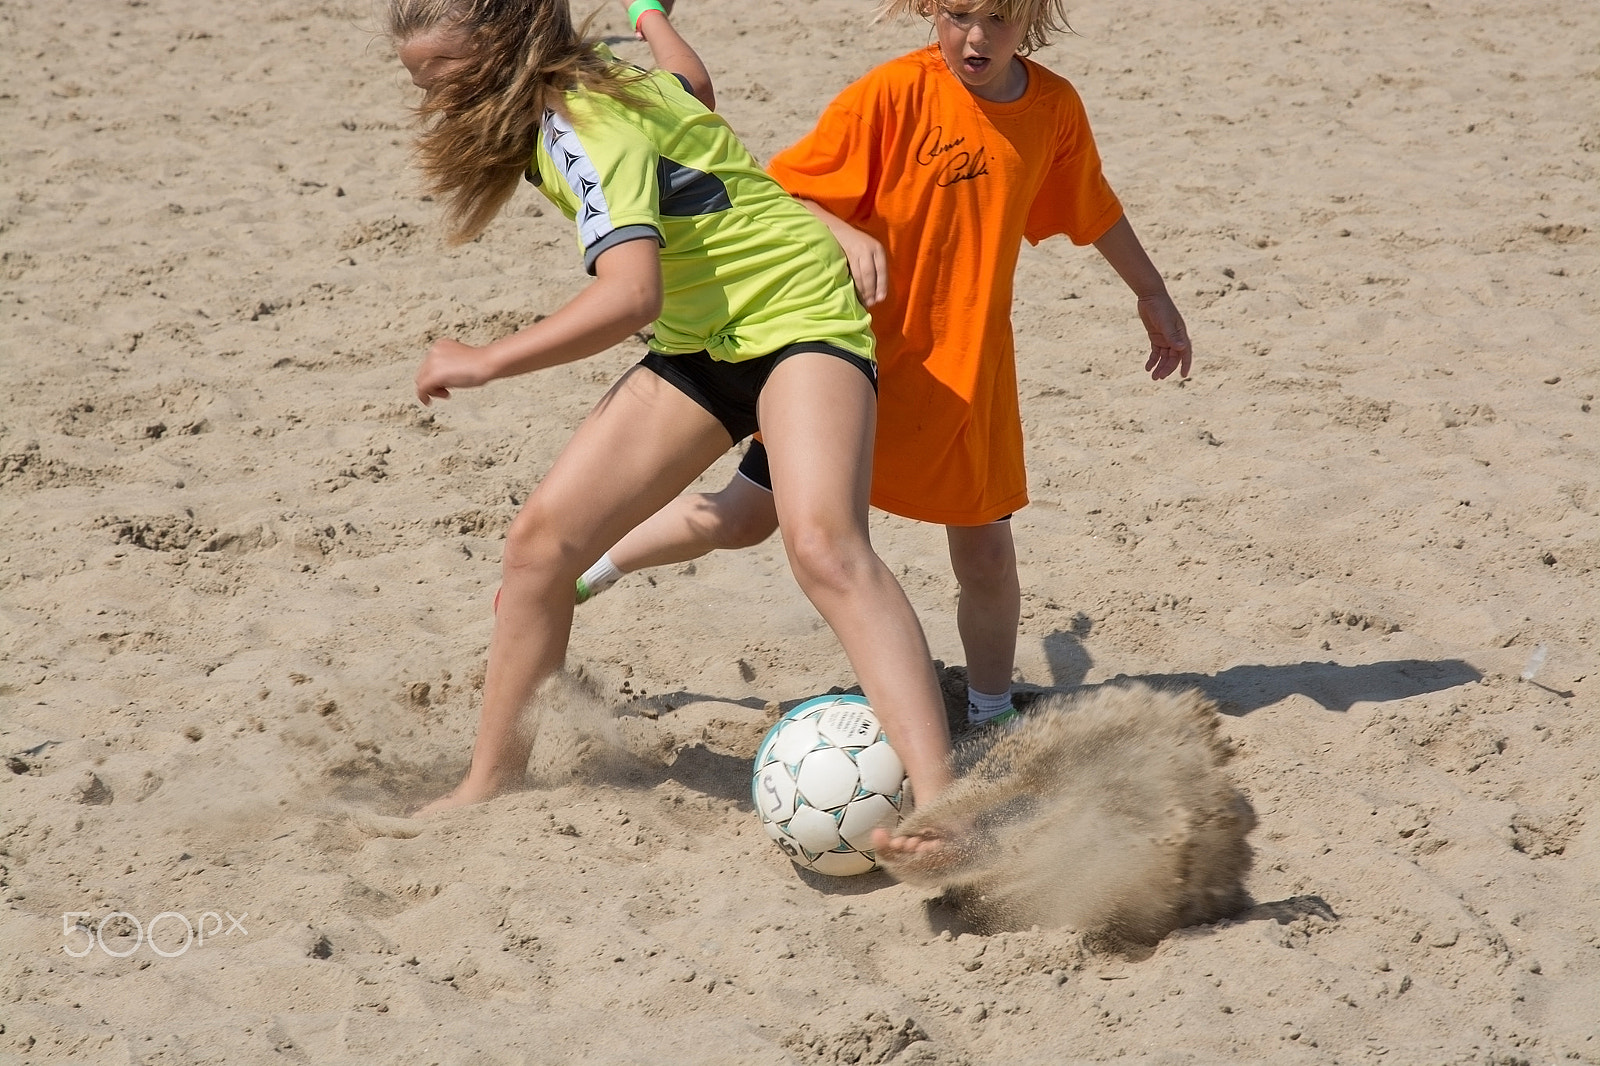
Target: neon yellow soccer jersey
746,268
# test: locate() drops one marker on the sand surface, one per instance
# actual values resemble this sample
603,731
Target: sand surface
245,578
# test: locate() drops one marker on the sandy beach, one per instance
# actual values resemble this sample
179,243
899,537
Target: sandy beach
245,579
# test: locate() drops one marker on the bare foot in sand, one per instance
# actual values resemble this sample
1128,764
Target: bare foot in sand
918,855
463,795
443,803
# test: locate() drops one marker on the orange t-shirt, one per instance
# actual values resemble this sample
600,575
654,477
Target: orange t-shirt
951,184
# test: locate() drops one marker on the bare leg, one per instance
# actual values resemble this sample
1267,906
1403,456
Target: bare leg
821,473
640,446
984,559
741,515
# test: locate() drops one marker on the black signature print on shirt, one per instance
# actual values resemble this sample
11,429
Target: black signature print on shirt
953,161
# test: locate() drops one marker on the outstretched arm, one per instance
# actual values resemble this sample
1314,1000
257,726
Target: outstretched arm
672,53
1169,340
624,297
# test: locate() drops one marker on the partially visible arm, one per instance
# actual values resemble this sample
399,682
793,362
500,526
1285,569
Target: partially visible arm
624,298
674,54
869,265
1170,348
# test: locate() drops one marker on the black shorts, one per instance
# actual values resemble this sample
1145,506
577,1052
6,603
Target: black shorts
755,468
729,390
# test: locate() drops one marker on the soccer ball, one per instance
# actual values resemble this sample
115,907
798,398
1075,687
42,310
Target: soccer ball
825,778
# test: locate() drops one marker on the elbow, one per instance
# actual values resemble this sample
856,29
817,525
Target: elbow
628,285
699,85
639,305
648,311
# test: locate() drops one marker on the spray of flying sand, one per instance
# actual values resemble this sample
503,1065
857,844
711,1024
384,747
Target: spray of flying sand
1107,812
571,730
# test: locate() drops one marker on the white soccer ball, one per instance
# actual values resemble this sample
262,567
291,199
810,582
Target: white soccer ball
825,778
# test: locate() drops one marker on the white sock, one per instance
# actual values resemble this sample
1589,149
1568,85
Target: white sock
602,575
982,706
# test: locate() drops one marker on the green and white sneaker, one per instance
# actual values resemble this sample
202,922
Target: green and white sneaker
1010,714
595,580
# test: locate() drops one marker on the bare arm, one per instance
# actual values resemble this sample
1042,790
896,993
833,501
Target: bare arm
1170,348
674,54
869,265
624,298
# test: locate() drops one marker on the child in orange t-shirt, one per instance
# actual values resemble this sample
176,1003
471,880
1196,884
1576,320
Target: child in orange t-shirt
930,171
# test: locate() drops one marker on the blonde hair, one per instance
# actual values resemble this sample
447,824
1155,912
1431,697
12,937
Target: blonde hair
480,123
1044,18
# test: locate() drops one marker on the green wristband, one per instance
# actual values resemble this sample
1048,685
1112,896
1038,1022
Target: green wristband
637,9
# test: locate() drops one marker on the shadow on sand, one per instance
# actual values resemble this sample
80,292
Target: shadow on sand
1239,690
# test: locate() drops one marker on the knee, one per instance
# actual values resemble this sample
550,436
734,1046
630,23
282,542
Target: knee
992,567
740,516
534,544
742,528
827,560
